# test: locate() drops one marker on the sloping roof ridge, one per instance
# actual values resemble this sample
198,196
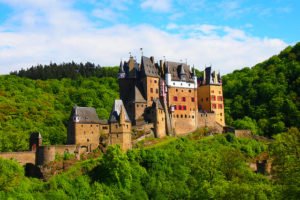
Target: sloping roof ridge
115,113
138,97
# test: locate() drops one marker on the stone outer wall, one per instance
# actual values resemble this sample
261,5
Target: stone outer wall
87,135
104,129
206,101
159,123
120,134
151,84
22,157
46,154
243,133
206,119
139,109
183,121
216,91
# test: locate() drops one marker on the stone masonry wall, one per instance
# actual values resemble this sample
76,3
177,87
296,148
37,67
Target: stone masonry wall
21,157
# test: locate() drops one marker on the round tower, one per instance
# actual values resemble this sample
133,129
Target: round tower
35,141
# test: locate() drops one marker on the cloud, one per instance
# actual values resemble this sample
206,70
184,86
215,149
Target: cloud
63,34
157,5
106,14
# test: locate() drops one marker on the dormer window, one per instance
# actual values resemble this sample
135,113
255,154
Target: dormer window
76,119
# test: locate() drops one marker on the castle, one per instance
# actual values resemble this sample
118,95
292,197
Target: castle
164,97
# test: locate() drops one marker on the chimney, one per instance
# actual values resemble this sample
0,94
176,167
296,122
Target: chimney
161,65
152,59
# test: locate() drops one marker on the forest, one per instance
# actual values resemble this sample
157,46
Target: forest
264,99
184,168
28,105
67,70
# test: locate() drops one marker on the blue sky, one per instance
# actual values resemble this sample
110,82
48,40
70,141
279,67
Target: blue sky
227,34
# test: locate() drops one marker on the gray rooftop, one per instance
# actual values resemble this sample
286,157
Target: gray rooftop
157,103
175,69
115,113
138,97
148,68
86,115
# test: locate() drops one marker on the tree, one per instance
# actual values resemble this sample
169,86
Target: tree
286,164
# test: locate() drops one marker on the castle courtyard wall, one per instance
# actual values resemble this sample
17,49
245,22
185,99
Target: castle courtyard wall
22,157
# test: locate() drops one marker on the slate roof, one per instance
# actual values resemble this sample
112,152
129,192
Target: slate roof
86,114
157,103
138,97
175,69
148,68
115,113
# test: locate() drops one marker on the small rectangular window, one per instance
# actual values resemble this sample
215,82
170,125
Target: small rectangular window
156,91
183,99
214,106
220,106
151,90
193,99
179,107
175,98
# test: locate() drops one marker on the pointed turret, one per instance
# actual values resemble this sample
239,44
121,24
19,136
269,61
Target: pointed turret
219,78
182,73
122,115
121,73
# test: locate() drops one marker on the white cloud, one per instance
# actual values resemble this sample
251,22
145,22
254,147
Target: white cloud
64,34
157,5
106,14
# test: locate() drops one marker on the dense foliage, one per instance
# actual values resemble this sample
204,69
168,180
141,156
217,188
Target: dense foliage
211,168
265,98
67,70
35,105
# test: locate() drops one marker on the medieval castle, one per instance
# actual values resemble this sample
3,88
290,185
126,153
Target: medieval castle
164,97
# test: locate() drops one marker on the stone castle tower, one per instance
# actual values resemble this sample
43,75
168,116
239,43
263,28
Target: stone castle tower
210,95
120,126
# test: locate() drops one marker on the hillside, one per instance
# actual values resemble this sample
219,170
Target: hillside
215,167
34,105
266,97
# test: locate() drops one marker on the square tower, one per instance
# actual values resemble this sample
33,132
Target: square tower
210,95
120,126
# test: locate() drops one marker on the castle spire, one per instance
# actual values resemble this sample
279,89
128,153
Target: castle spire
121,68
121,73
122,115
182,73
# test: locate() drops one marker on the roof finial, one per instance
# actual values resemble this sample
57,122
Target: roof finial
141,49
